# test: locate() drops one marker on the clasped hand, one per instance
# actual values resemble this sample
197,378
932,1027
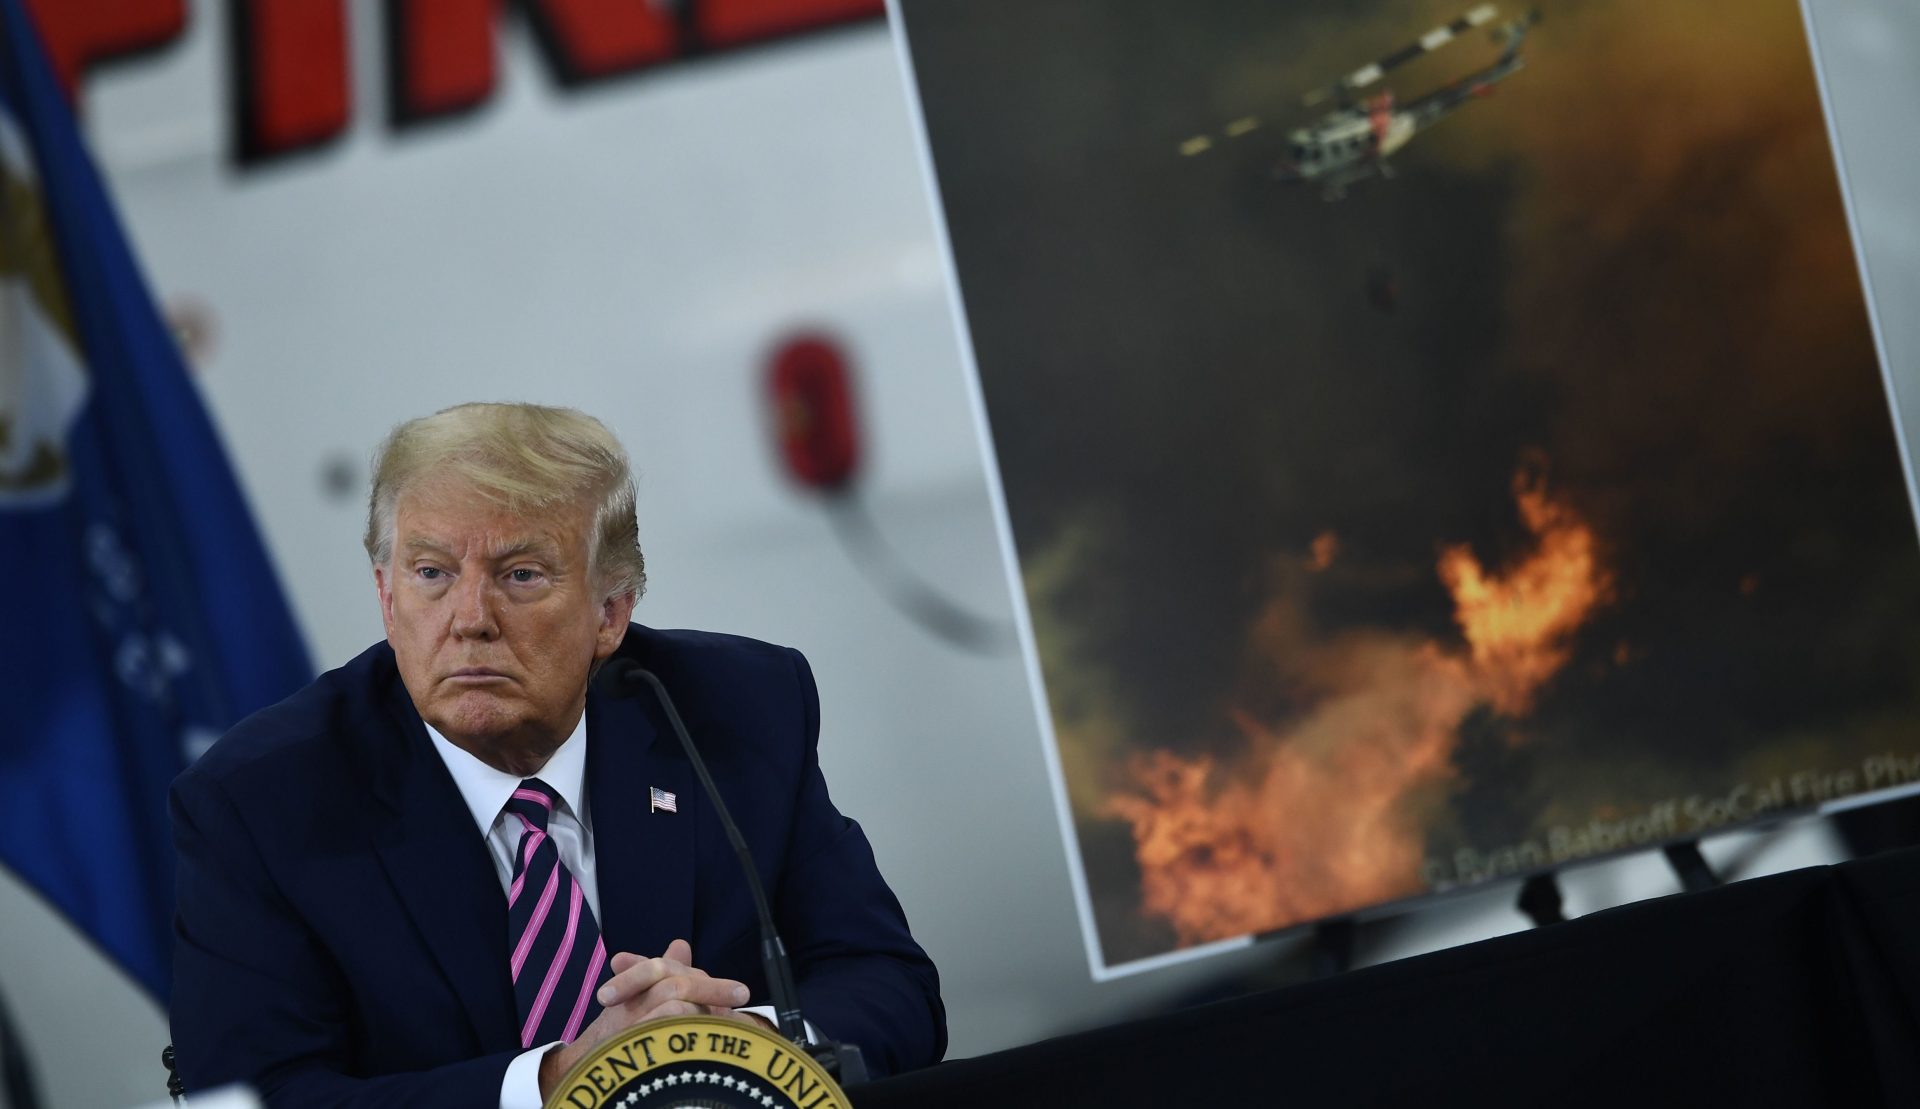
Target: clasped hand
640,990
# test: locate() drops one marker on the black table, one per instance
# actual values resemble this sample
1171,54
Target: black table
1797,989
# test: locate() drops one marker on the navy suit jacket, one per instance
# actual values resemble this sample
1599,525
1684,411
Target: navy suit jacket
341,936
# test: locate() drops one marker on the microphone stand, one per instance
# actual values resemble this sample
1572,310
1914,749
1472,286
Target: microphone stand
626,678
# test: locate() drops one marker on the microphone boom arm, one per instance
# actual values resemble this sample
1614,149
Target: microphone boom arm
625,673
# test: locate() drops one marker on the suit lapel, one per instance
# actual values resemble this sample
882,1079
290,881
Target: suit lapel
643,859
427,842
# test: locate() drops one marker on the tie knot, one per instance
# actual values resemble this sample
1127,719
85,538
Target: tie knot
533,801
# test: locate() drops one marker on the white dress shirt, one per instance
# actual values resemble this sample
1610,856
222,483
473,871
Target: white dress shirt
486,792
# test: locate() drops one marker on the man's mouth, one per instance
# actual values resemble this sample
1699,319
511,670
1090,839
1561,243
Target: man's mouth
475,675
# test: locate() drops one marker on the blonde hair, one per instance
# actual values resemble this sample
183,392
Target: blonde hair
525,458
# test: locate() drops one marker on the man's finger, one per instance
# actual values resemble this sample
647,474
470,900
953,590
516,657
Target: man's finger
719,993
671,1009
639,977
680,951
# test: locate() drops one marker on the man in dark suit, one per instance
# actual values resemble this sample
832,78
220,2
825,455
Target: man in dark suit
444,872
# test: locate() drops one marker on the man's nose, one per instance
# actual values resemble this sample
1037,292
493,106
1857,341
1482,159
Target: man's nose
473,607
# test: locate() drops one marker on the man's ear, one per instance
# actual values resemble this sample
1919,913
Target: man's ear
615,611
384,586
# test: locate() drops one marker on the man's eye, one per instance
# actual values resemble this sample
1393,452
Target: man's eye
524,575
428,573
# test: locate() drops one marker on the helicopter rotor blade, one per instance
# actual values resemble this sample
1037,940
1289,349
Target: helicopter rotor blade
1425,44
1200,144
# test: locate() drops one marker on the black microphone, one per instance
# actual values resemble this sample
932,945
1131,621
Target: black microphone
623,677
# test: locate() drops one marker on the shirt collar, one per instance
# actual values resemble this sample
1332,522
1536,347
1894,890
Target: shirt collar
487,790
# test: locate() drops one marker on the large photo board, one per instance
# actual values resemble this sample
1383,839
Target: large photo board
1438,445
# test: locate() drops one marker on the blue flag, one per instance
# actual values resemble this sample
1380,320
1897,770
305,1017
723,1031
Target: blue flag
141,616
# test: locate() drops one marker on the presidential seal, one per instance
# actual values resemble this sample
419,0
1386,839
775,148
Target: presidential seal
697,1063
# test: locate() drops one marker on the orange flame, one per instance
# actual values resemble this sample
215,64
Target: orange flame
1326,548
1327,812
1519,625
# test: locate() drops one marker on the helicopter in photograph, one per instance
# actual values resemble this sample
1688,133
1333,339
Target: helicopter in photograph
1354,140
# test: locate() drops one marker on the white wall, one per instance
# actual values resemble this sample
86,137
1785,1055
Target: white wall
633,250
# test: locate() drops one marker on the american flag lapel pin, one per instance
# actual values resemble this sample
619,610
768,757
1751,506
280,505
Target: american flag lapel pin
663,801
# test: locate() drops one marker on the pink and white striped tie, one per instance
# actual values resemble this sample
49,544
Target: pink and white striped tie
558,960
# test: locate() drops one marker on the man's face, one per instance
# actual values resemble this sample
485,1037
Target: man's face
494,621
